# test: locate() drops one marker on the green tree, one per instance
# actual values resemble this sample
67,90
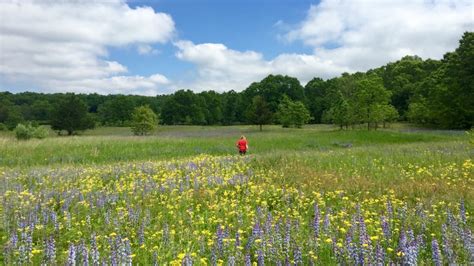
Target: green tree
117,111
300,114
231,105
371,99
390,114
419,112
144,120
184,107
284,114
14,117
316,98
259,112
41,110
292,113
71,115
339,113
452,101
272,88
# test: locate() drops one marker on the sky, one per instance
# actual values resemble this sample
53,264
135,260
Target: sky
151,47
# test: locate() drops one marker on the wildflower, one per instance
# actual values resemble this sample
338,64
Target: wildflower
436,254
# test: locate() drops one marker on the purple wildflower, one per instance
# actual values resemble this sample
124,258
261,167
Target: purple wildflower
187,261
316,221
351,248
85,255
219,239
385,227
95,255
462,212
71,259
468,243
447,249
29,243
298,257
389,210
364,240
213,257
50,251
327,221
141,234
379,255
23,258
237,239
287,239
247,261
128,252
260,258
14,240
436,253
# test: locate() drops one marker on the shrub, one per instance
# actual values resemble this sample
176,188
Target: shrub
40,132
28,131
3,127
23,132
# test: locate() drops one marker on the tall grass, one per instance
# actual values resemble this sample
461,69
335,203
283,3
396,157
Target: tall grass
178,142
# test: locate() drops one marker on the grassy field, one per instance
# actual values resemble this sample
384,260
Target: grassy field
312,195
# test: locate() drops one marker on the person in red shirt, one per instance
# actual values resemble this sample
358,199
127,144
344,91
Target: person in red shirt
242,145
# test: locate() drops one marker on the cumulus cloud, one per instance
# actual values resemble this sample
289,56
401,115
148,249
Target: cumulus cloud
346,36
368,33
221,68
145,49
62,45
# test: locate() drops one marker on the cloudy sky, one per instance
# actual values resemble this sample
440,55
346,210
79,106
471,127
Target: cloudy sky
159,46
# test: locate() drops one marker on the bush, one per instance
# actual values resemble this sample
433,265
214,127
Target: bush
23,132
3,127
28,131
40,132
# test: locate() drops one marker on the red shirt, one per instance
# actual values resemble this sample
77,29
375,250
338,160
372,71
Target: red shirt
242,144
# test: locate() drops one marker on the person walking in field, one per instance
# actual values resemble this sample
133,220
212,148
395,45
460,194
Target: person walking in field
242,145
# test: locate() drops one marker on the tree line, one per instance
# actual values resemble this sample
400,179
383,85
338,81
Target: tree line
431,92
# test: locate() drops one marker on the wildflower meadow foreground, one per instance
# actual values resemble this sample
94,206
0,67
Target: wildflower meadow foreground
222,211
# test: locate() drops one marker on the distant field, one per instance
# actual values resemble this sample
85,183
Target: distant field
106,145
312,195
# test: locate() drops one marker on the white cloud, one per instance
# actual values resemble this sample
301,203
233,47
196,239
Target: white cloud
115,85
369,33
63,45
221,68
346,36
145,49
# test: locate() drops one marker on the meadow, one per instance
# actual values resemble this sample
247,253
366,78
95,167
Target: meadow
182,196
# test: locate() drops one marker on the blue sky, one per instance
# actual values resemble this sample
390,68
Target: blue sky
240,25
157,47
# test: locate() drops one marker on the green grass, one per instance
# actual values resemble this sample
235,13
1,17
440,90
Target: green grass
108,145
417,168
353,160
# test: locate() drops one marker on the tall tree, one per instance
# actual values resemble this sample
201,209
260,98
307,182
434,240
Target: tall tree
371,98
71,115
292,113
259,112
453,100
340,112
184,107
144,120
117,111
316,98
272,88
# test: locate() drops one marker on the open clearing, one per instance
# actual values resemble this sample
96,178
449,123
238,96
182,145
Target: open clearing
313,195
